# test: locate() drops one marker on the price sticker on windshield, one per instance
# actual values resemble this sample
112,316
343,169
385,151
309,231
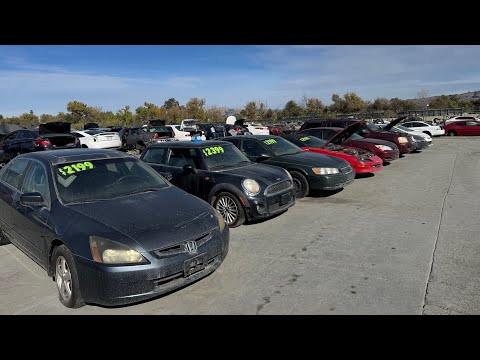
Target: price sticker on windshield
74,168
303,139
213,150
270,141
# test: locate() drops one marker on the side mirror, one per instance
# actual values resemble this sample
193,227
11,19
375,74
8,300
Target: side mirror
189,169
263,157
34,198
364,131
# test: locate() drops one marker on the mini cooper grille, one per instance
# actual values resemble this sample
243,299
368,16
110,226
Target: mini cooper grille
346,169
182,247
275,188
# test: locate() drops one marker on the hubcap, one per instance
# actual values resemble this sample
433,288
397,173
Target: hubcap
63,278
227,207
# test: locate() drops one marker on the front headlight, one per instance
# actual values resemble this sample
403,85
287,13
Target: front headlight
106,251
383,147
402,140
325,171
251,187
220,220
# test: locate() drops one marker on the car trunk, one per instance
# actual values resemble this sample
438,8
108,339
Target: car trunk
58,133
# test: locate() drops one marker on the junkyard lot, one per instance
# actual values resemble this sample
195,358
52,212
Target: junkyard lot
365,250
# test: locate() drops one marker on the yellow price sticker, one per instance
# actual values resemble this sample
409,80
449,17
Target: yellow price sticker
213,150
305,138
73,168
270,141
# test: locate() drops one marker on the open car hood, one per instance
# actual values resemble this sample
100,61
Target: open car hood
342,136
393,123
8,128
58,127
240,122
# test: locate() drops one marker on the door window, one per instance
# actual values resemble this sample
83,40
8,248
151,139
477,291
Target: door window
182,157
11,136
472,123
253,148
36,181
154,155
15,171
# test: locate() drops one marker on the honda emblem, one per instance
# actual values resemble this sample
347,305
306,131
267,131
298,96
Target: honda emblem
191,246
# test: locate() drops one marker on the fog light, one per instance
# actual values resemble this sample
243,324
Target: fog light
260,208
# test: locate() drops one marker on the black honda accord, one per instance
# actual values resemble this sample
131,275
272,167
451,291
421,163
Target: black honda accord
219,173
107,227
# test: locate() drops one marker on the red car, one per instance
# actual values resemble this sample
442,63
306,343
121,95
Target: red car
361,160
348,136
275,130
462,127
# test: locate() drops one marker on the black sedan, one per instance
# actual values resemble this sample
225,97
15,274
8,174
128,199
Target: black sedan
107,227
308,170
219,173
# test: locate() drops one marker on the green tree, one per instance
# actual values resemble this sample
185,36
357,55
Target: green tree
380,104
195,109
250,110
170,103
354,103
338,105
292,109
313,106
150,111
79,109
125,116
214,114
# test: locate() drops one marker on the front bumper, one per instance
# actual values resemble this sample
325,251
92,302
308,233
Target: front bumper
406,148
121,285
370,168
264,206
438,132
388,155
421,145
331,182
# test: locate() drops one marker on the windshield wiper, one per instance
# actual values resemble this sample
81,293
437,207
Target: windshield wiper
143,191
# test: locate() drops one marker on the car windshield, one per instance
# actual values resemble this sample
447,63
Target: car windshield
356,137
95,180
223,156
280,146
374,127
308,141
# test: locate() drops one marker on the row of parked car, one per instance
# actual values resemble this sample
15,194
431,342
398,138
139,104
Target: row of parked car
113,229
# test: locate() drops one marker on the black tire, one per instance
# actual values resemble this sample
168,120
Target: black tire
301,184
451,133
84,146
3,238
428,133
71,287
231,209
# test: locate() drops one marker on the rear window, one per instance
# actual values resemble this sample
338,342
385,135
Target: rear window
154,155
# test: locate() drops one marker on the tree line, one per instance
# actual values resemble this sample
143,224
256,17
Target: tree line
79,113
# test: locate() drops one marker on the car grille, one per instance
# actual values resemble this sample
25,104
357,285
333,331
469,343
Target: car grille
281,186
346,170
180,248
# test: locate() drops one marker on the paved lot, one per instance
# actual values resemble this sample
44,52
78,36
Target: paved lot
405,241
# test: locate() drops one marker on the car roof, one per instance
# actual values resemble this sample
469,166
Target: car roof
189,144
257,137
324,128
55,157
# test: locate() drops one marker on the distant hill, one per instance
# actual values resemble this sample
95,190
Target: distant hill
470,95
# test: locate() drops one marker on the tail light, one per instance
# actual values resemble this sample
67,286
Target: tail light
259,128
42,142
155,136
237,129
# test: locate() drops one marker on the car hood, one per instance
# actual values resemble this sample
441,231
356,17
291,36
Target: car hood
266,173
376,142
155,219
393,123
342,136
311,159
54,128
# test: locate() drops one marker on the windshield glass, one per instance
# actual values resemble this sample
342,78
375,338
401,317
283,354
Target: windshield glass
374,127
356,137
86,181
308,141
280,146
223,156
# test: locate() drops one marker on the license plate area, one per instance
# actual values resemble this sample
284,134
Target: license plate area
194,264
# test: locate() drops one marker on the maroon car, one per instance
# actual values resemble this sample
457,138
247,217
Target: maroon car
385,150
275,130
405,143
462,127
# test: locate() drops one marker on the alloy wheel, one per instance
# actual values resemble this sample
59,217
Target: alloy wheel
227,207
63,278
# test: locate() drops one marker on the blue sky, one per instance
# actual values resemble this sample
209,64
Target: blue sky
45,78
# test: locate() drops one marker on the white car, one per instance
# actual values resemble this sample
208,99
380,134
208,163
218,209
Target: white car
466,118
98,140
257,129
420,126
404,130
182,135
